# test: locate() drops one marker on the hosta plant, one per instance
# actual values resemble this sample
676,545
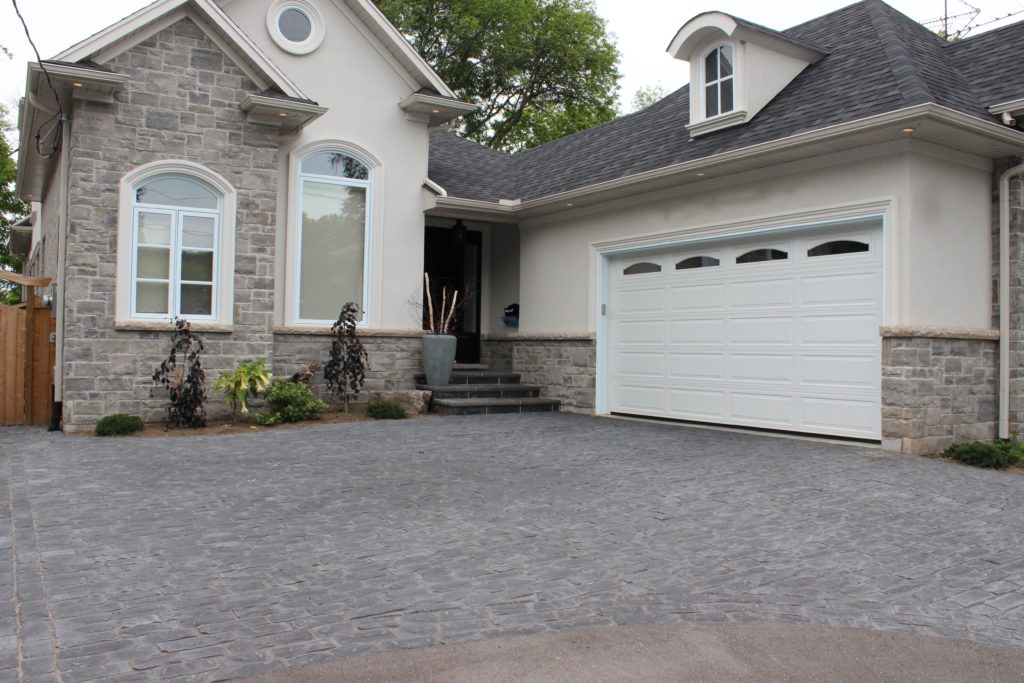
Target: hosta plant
250,379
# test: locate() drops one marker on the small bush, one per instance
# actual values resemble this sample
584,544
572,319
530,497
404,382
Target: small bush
386,410
289,401
980,454
119,424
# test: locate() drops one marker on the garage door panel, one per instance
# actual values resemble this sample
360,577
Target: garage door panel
761,367
761,331
642,332
697,366
766,409
645,300
695,404
789,344
838,416
697,331
759,294
697,297
642,398
839,371
846,330
641,364
856,288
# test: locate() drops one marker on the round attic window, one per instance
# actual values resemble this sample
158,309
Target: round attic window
296,26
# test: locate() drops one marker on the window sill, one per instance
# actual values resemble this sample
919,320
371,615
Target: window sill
320,331
733,118
168,326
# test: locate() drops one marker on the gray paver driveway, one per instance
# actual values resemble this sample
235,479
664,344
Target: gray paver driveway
214,557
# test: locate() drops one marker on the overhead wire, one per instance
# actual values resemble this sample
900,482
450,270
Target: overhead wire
58,118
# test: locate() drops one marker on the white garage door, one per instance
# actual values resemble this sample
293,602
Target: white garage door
779,332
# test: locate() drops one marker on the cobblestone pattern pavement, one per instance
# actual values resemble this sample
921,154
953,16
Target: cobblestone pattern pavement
210,558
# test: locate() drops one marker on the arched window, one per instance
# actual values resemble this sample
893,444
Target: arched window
760,255
697,262
718,81
837,248
332,238
175,248
642,268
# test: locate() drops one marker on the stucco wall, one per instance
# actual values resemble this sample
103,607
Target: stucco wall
181,102
352,75
932,277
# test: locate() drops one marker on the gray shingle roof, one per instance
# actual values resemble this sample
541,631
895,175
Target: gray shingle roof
878,61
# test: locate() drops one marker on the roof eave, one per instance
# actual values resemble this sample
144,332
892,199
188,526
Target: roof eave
433,109
890,126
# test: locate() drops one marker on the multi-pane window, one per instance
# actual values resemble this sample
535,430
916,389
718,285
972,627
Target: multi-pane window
718,81
175,233
332,235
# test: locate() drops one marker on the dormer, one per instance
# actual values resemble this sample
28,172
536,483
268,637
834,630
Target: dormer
736,68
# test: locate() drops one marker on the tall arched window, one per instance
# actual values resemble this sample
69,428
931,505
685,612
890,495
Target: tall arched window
332,234
175,233
718,81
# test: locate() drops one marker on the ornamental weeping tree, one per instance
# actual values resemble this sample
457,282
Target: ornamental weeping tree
346,368
183,377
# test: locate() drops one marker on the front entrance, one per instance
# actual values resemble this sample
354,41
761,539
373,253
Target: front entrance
452,257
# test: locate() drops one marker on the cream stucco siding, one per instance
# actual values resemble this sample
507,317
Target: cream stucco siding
924,238
353,76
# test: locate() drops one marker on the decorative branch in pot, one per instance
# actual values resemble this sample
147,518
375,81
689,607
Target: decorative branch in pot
439,344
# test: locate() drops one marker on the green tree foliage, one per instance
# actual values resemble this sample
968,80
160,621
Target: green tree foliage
12,210
647,95
537,69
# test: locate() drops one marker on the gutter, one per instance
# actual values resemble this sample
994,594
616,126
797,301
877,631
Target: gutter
1004,299
62,256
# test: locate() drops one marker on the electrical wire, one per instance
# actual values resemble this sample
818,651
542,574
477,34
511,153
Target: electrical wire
57,119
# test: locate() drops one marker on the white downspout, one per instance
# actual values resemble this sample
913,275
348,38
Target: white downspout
62,255
1004,299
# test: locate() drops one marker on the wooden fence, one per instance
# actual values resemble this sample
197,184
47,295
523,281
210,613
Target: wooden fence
26,363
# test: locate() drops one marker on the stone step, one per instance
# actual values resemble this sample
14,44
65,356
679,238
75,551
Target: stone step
488,406
477,377
471,366
482,391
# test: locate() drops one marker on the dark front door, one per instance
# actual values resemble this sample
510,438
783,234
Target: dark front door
452,258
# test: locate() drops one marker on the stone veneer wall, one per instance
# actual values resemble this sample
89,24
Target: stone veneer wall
938,387
564,366
181,102
394,358
1016,206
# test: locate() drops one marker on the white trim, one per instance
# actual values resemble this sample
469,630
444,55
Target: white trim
372,235
224,251
307,9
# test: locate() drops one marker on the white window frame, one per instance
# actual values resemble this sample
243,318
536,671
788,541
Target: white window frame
317,30
296,181
223,251
718,81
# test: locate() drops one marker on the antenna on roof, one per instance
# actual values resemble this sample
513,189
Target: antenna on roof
944,21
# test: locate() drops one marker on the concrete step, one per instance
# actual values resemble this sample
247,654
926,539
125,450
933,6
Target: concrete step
482,391
471,366
477,377
487,406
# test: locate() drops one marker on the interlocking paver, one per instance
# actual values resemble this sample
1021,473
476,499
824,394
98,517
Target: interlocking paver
216,557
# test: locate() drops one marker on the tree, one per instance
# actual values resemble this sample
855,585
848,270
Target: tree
537,69
12,210
647,95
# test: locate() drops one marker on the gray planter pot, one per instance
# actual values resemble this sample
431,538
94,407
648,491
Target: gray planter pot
438,358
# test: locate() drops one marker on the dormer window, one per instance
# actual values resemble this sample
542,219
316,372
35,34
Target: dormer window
718,81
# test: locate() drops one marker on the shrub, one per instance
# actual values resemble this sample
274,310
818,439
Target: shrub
185,382
346,367
290,402
249,379
981,454
119,424
386,410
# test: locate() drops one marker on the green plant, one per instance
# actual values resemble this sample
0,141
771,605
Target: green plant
386,410
119,424
346,367
250,379
184,381
290,402
999,455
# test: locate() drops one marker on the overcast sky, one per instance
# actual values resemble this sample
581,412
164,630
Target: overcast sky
642,29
